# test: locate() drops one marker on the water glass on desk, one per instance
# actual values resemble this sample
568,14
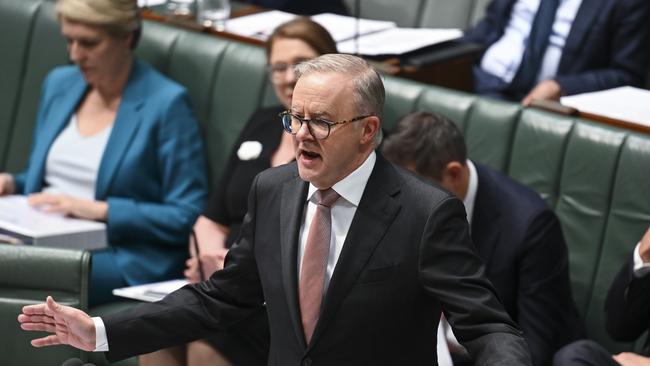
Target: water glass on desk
213,13
180,8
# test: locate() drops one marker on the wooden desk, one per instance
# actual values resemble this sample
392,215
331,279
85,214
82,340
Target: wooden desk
557,107
451,68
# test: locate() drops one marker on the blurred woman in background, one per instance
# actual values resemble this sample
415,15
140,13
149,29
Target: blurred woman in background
116,141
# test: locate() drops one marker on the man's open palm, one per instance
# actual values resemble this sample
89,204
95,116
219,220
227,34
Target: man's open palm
68,325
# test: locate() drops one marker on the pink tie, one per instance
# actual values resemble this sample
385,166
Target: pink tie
314,261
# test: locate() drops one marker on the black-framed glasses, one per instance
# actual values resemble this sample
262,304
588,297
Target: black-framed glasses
318,127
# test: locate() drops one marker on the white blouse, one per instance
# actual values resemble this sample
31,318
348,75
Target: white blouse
73,161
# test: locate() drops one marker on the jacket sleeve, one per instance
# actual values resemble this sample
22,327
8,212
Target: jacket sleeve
627,307
181,167
451,271
194,311
546,312
630,34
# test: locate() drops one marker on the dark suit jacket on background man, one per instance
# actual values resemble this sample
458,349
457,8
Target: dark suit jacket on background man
406,257
607,45
521,243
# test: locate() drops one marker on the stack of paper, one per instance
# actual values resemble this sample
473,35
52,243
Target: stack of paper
397,41
625,103
28,225
150,292
362,36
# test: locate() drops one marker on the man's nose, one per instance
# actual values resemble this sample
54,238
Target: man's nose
304,133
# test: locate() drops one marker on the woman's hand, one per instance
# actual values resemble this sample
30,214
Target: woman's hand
211,238
210,263
70,206
7,185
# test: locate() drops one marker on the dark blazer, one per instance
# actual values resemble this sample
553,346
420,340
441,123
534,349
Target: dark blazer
152,172
627,307
406,257
606,47
521,243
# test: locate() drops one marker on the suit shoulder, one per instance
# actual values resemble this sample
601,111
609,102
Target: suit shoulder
274,177
419,192
62,76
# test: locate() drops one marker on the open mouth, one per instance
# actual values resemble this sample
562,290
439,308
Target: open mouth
308,156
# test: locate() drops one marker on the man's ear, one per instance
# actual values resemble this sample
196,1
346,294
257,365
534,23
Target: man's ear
370,129
452,177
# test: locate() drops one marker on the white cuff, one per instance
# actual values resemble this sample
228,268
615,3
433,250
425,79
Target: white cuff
101,341
640,269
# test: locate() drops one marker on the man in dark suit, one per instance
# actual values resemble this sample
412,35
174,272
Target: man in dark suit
353,258
567,46
518,237
627,312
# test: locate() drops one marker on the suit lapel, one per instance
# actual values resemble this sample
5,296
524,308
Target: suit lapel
125,126
376,212
63,106
587,14
485,235
294,194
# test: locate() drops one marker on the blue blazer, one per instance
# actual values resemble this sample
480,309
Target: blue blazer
521,243
152,173
606,47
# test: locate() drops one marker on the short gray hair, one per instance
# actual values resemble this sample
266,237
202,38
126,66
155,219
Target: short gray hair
369,93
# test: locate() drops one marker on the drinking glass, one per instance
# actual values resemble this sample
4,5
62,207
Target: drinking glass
213,13
180,8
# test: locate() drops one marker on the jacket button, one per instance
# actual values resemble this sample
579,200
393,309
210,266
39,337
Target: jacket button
306,362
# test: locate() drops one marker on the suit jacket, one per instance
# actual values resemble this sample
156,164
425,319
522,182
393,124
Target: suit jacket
152,172
606,47
627,307
406,257
520,240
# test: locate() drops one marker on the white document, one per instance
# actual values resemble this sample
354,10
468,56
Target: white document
152,291
31,226
259,25
344,27
143,3
397,41
624,103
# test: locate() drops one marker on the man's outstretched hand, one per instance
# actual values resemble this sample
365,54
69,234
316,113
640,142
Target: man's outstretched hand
68,325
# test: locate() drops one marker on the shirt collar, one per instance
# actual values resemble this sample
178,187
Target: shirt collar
351,187
472,187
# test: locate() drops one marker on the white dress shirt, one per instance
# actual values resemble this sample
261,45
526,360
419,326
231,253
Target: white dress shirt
350,189
640,269
73,161
502,59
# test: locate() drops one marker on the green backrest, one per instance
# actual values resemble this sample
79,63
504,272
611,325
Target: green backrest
27,275
15,31
422,13
45,50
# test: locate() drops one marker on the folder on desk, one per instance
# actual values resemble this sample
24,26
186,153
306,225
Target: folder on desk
21,223
150,292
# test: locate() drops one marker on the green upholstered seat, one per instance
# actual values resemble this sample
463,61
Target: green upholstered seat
27,275
538,151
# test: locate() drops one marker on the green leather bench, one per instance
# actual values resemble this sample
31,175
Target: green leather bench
27,275
594,176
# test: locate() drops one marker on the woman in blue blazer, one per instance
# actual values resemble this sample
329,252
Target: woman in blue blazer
116,141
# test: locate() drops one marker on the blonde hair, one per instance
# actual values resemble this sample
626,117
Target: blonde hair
120,17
